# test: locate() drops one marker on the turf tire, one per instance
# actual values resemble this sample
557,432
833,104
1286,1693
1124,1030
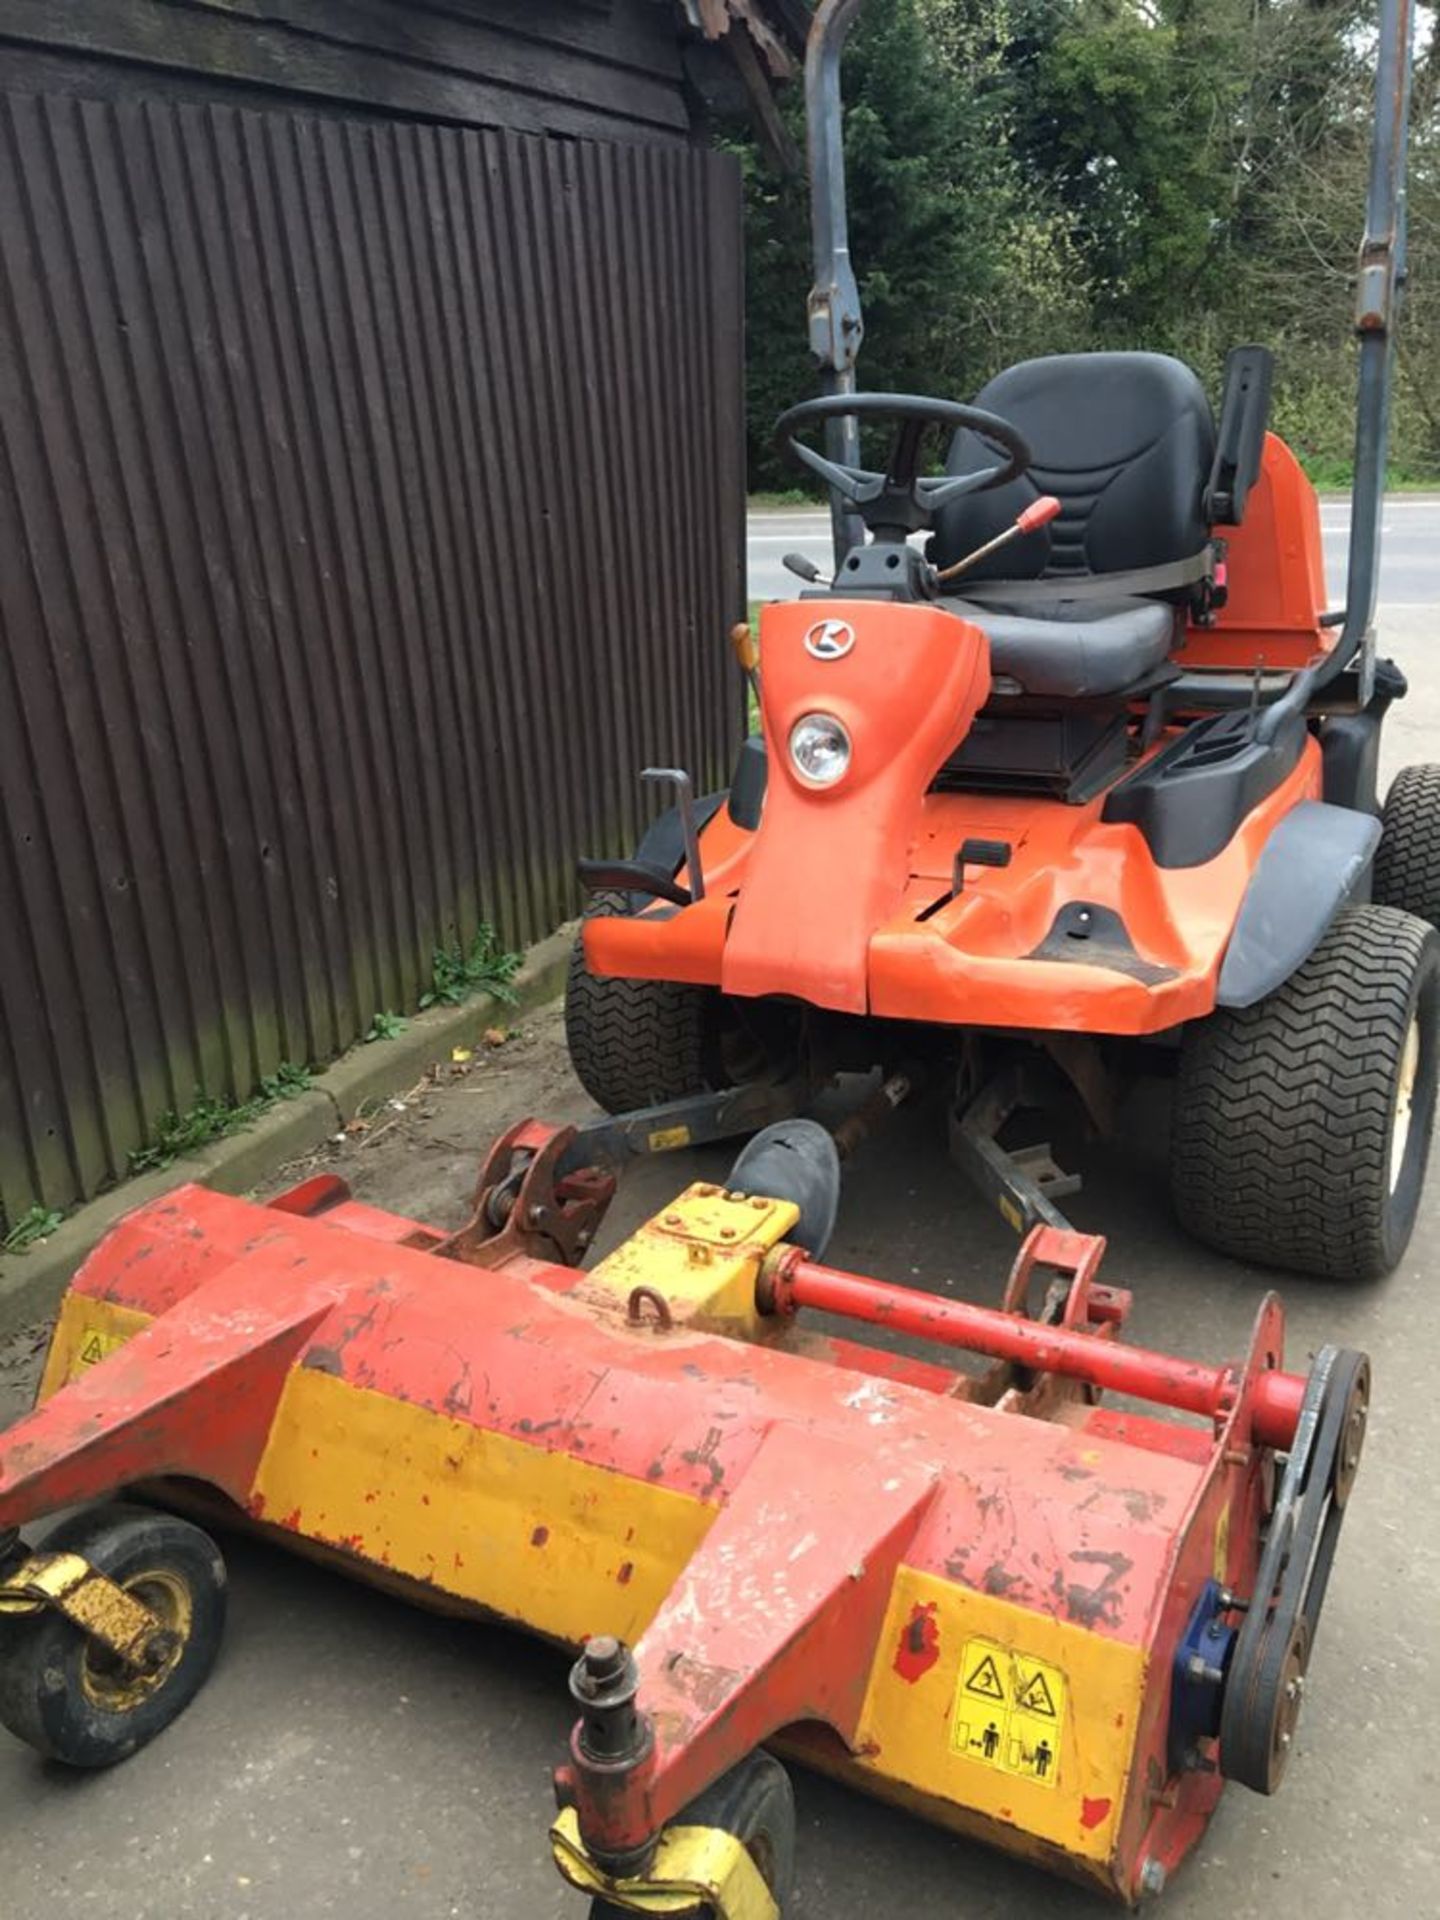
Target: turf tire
61,1694
1285,1111
1407,860
634,1043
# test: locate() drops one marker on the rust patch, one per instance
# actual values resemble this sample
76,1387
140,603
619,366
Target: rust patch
539,1536
1076,1473
627,1568
1089,1606
460,1394
999,1580
919,1647
704,1456
323,1360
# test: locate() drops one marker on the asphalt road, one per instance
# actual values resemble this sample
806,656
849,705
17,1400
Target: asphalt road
354,1757
1409,576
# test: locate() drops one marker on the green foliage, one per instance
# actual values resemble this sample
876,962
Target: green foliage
36,1224
482,967
385,1026
178,1134
1045,175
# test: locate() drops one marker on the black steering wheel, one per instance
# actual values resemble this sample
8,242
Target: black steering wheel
902,498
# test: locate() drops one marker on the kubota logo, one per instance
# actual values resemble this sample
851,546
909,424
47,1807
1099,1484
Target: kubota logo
830,639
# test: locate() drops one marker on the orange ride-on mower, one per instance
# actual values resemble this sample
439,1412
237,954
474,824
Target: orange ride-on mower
974,1590
1089,789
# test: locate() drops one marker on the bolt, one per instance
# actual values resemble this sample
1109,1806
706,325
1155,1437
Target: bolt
1153,1876
156,1651
727,1233
672,1219
1285,1740
604,1657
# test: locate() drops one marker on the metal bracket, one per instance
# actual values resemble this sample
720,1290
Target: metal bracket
526,1206
105,1612
692,1864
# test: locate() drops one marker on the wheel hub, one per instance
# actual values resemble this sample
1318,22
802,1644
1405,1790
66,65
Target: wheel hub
108,1682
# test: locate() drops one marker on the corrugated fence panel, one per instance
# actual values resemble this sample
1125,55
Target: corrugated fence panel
371,509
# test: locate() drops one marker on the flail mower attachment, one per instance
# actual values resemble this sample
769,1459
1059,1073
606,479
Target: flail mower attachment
1055,1625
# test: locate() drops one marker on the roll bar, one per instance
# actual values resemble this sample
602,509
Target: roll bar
1377,313
836,325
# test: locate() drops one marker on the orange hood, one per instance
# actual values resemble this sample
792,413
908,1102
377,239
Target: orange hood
830,864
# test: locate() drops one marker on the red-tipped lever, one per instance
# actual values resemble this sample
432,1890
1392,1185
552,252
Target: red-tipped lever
1038,514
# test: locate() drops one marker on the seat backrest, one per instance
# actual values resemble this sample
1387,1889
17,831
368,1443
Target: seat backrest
1124,440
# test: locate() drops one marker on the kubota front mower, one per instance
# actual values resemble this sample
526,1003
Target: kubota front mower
1086,790
1111,794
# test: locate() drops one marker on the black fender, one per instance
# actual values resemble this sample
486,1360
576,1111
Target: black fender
1315,862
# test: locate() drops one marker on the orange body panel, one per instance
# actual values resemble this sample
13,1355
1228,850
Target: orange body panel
967,964
842,898
1276,575
829,866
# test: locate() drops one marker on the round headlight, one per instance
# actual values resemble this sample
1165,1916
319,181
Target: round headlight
819,749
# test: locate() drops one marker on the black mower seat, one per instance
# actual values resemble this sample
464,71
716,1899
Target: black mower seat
1124,440
1075,650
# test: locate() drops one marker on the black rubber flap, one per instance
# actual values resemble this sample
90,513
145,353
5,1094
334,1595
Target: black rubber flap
795,1160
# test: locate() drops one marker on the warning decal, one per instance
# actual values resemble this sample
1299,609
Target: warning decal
985,1680
94,1347
1009,1712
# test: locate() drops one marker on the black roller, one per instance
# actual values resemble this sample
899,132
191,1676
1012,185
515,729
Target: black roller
795,1160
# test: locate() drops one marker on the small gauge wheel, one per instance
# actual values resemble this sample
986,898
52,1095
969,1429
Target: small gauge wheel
755,1803
69,1697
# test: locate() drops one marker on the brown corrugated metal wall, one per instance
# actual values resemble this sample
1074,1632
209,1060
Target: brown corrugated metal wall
370,510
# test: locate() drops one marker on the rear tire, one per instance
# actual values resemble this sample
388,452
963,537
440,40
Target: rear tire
1302,1124
635,1043
1407,860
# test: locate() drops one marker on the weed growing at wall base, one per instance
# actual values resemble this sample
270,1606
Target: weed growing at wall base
178,1134
37,1224
482,967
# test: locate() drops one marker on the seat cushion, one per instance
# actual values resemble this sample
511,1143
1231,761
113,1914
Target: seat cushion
1124,440
1076,649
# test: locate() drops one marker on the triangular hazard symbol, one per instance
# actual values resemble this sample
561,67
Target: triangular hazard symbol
92,1351
1035,1697
985,1681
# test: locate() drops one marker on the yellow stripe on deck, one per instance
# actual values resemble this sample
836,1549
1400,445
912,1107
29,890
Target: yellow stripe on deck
566,1548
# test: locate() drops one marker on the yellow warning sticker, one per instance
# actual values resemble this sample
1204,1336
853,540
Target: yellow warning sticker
93,1346
1009,1712
666,1139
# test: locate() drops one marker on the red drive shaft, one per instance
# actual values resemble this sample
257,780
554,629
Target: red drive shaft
1185,1384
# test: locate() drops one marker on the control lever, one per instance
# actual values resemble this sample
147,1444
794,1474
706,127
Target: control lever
690,837
806,568
1038,514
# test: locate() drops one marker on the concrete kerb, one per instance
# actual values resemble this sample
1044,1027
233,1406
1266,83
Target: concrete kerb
32,1283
